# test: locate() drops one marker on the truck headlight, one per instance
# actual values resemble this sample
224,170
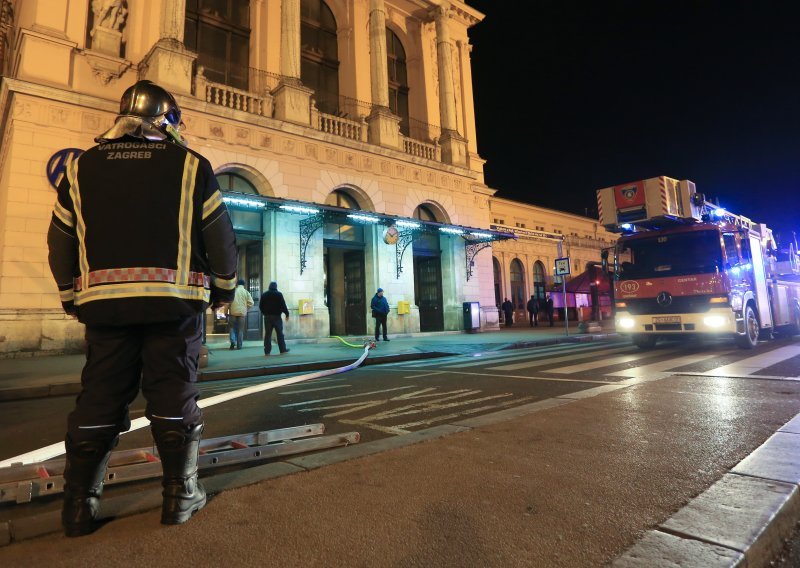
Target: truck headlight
714,321
736,302
627,323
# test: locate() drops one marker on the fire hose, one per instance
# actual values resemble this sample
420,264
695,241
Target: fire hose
55,450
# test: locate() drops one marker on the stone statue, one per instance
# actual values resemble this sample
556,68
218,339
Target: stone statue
109,14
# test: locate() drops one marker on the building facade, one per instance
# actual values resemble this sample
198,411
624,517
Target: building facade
342,134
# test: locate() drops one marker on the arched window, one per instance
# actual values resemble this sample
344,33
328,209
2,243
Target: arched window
426,241
219,31
517,284
538,280
338,231
398,79
319,59
497,282
234,182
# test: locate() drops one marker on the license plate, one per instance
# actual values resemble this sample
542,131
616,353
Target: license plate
667,319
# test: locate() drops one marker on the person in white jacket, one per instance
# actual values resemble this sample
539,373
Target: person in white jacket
237,311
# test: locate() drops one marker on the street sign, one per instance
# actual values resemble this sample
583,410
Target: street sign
562,266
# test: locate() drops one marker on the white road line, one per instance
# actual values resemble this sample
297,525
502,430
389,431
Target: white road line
554,379
607,362
752,364
424,375
550,361
662,366
528,355
303,391
356,394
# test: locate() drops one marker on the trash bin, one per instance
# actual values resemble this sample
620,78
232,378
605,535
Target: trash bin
472,316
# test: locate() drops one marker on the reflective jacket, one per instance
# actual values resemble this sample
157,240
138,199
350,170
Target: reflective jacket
140,234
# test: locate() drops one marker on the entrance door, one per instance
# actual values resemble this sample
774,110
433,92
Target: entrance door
355,308
428,292
253,264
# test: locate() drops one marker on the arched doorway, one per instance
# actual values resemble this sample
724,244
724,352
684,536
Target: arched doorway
249,228
539,280
518,290
428,274
498,283
345,291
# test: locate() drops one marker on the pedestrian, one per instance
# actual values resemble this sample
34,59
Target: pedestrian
380,309
140,244
533,311
237,313
272,305
508,310
548,307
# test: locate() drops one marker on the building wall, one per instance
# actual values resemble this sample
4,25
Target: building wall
60,91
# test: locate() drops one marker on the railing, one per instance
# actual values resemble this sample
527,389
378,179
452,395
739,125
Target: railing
340,126
231,97
421,149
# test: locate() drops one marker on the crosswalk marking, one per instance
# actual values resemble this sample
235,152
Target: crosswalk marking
607,362
551,361
528,355
662,366
750,365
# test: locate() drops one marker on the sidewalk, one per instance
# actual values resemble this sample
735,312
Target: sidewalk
644,473
35,377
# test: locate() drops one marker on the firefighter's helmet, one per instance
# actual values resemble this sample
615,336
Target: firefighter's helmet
147,111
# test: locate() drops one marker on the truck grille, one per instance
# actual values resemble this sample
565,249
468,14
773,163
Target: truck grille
679,305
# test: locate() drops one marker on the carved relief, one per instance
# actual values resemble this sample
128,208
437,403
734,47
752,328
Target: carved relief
401,171
90,123
311,151
350,160
266,141
216,130
288,145
431,178
242,135
108,18
367,163
330,154
386,167
415,175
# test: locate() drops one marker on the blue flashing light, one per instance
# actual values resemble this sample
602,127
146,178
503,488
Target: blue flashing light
626,226
719,213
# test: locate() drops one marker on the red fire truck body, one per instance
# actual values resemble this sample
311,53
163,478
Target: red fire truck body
710,272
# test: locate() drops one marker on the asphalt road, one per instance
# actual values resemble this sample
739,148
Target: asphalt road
723,383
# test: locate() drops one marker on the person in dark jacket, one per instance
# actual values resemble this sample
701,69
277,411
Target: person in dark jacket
533,311
380,309
272,305
508,311
548,308
140,244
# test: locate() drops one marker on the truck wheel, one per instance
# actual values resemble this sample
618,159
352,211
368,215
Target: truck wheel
751,329
643,341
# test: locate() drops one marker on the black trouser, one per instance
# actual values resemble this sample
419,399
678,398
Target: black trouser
534,319
276,323
380,320
509,318
162,357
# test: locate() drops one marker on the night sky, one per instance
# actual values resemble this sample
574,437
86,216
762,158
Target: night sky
571,97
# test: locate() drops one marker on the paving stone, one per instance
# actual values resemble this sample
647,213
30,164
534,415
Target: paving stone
661,550
743,513
778,458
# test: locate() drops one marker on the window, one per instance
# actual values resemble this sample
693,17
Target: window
235,182
731,250
319,59
426,241
521,225
338,231
496,269
499,221
398,79
244,220
538,280
219,31
517,285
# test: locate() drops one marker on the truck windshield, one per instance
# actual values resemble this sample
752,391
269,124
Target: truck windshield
680,254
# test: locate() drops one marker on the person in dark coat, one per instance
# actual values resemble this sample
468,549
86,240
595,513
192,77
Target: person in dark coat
533,311
380,309
140,245
272,305
508,311
548,308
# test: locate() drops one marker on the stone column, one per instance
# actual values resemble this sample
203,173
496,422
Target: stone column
384,127
454,147
292,99
169,63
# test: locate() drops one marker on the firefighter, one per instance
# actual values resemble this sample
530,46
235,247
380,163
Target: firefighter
140,245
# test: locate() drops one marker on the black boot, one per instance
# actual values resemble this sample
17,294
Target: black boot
183,493
84,474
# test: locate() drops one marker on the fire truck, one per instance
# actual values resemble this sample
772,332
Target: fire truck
684,266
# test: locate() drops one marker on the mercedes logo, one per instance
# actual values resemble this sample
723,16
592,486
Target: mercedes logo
664,299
